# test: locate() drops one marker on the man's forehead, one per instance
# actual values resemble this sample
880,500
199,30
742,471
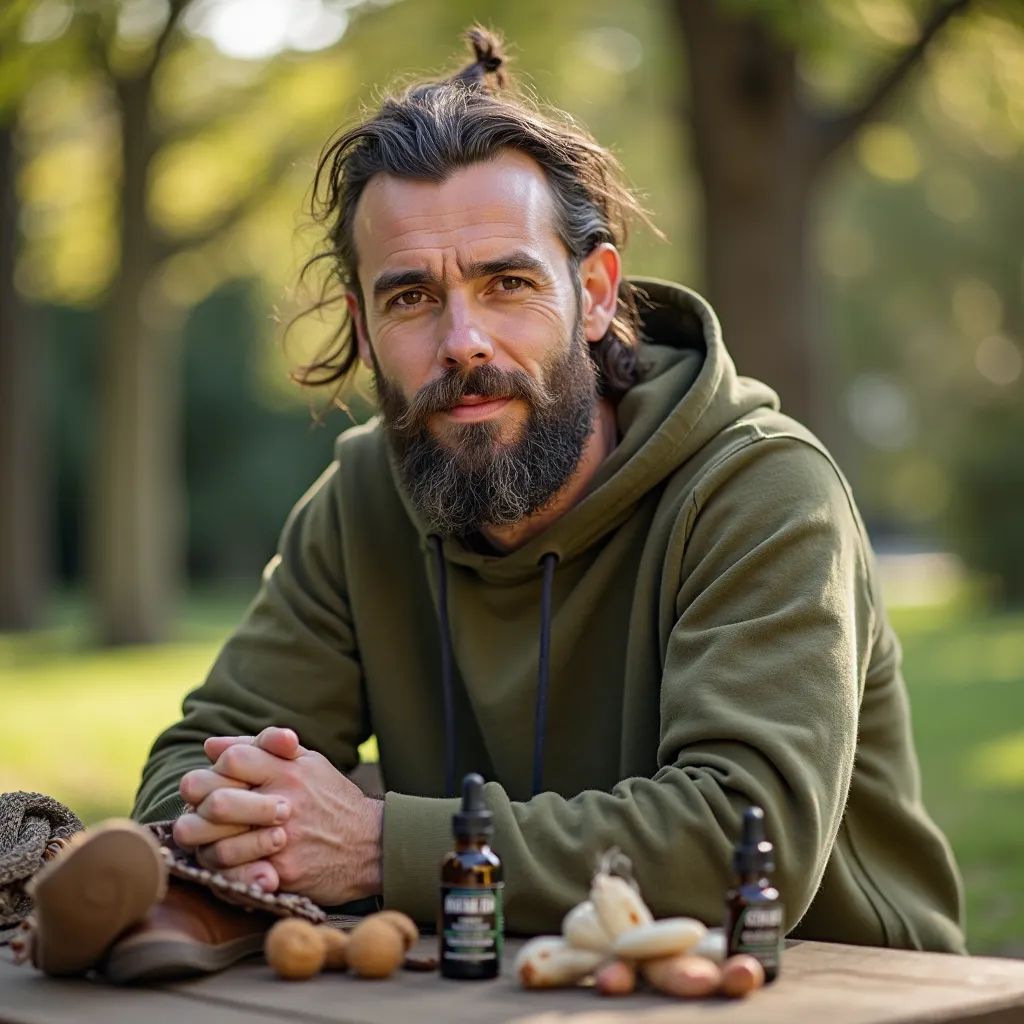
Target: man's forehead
502,203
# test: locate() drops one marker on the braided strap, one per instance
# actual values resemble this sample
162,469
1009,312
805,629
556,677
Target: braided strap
33,828
182,865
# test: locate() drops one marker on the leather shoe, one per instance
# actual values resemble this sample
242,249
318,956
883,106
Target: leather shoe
188,933
103,883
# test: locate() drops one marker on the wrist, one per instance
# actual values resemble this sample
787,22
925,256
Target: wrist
369,869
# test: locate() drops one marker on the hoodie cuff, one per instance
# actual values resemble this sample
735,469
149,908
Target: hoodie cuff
170,807
417,835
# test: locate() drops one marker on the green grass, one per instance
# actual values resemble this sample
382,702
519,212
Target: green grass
77,724
966,683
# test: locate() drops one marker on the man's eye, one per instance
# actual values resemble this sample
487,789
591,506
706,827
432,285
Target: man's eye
410,298
513,284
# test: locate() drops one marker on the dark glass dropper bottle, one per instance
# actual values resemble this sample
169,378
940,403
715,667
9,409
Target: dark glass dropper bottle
754,915
471,928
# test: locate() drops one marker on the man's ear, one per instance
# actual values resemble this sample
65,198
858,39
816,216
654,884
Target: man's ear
359,330
600,274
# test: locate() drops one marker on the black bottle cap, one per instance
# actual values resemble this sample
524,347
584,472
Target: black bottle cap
753,855
473,818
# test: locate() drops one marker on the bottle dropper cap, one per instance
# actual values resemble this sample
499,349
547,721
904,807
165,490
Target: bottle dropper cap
753,855
473,818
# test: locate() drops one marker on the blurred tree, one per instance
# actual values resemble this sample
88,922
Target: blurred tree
138,60
23,574
761,150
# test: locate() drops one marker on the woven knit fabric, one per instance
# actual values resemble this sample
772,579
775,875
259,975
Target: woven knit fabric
29,823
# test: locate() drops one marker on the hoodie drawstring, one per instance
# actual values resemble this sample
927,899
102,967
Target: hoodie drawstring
549,563
447,679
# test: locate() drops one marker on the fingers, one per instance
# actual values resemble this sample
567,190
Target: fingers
190,831
251,764
229,812
197,785
274,740
254,845
244,807
260,872
216,745
280,742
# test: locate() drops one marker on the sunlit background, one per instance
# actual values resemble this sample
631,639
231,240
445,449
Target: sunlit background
151,443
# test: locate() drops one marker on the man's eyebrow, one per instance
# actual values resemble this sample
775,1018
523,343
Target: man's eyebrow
389,280
519,261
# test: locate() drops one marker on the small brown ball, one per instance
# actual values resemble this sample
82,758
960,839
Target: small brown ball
375,948
335,948
741,974
294,949
689,977
406,926
617,978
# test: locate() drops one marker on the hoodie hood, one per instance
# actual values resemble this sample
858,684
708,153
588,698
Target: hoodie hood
688,392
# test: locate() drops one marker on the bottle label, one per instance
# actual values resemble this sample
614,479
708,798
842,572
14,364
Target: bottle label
758,931
472,924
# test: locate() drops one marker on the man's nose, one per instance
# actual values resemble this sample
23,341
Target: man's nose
463,344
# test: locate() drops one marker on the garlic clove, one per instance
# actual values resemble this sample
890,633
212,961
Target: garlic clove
582,929
711,946
619,906
669,937
550,962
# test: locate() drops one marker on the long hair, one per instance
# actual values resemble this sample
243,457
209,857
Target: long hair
432,129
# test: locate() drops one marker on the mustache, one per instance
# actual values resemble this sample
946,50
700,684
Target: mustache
487,381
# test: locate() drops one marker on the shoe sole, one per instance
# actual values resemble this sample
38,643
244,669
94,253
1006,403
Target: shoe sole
92,892
157,958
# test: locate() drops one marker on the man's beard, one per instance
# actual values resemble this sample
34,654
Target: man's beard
470,478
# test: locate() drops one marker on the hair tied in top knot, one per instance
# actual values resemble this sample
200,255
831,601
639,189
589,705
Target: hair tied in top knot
487,48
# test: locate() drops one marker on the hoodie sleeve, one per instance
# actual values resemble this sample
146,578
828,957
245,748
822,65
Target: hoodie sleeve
292,662
765,655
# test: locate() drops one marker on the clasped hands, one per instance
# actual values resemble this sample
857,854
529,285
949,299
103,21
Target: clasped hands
270,812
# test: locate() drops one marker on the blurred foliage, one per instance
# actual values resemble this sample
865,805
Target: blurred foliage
918,230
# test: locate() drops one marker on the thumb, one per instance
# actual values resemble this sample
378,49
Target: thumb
257,872
280,742
216,745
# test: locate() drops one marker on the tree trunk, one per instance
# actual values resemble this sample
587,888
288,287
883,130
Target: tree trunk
135,515
23,572
756,164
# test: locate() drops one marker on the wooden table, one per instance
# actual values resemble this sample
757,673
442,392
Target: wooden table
821,983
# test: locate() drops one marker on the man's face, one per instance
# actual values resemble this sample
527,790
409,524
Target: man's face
476,326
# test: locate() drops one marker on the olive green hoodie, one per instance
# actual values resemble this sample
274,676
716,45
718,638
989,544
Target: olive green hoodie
713,636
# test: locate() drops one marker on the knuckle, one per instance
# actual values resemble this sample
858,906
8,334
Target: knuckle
218,804
266,841
190,783
231,759
285,867
183,830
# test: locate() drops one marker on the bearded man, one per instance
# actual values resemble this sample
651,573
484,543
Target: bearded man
576,553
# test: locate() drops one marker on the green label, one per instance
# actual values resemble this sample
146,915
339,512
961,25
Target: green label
758,931
472,924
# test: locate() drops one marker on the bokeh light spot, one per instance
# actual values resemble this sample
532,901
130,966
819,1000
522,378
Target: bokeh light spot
888,152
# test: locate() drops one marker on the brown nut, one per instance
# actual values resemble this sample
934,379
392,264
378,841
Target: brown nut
335,947
375,948
294,949
405,925
689,977
616,979
741,974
